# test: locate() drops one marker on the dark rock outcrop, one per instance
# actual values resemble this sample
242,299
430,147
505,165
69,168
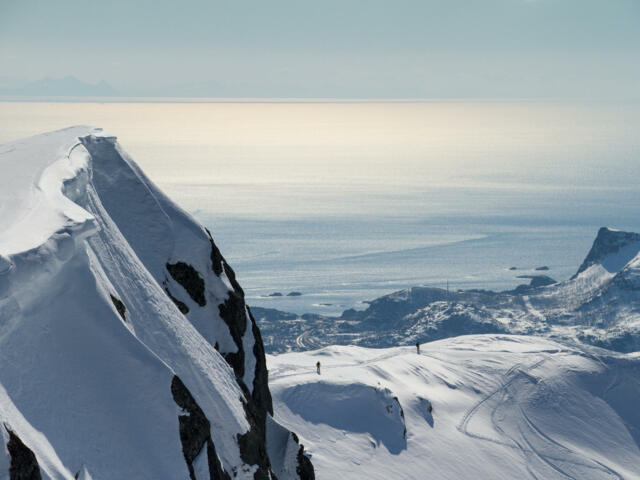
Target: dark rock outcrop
606,243
195,432
233,312
304,469
122,310
261,394
194,428
190,279
252,444
237,315
24,465
536,281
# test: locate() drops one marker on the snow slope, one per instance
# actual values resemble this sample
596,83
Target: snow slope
126,348
599,305
481,406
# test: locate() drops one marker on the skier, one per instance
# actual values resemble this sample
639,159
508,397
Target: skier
418,348
318,368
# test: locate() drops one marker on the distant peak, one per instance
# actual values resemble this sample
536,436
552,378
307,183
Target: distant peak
609,242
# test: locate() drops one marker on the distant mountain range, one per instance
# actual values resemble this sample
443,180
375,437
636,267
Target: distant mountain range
599,305
68,86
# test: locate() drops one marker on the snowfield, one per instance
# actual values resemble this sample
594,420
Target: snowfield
126,348
471,407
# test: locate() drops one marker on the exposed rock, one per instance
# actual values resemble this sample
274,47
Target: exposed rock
543,268
252,444
122,310
390,409
235,314
294,294
24,465
190,279
606,243
350,313
275,294
541,281
220,265
216,257
195,432
536,281
304,469
261,394
253,452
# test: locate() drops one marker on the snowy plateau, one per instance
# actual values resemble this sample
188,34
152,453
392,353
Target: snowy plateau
469,407
127,351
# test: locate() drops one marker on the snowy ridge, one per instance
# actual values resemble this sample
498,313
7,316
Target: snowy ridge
482,406
126,349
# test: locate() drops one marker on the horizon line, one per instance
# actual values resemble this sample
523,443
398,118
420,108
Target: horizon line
285,100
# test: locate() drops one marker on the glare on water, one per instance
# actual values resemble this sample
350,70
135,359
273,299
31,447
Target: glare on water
349,200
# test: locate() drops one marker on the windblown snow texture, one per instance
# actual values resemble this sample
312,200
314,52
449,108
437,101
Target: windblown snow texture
126,348
599,305
497,407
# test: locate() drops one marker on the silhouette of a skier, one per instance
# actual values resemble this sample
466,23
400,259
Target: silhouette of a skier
318,368
418,348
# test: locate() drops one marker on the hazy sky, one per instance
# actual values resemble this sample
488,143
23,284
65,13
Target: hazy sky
330,48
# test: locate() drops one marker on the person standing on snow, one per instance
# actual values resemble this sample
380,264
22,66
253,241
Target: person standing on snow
418,348
318,368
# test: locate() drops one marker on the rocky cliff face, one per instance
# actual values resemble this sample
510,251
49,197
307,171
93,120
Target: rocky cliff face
611,243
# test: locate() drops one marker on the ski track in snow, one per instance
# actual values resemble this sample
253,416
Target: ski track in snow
508,378
510,426
524,443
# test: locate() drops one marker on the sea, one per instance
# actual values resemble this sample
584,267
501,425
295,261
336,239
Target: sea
340,202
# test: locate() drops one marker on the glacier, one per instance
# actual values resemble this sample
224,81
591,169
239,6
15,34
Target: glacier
126,347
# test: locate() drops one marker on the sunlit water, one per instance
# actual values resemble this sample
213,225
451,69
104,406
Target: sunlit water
347,201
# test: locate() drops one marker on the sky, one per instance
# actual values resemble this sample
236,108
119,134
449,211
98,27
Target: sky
330,48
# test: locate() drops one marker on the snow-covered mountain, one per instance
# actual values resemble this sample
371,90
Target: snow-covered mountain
599,305
126,347
472,407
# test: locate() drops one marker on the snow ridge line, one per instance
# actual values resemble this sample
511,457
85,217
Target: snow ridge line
514,372
59,186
